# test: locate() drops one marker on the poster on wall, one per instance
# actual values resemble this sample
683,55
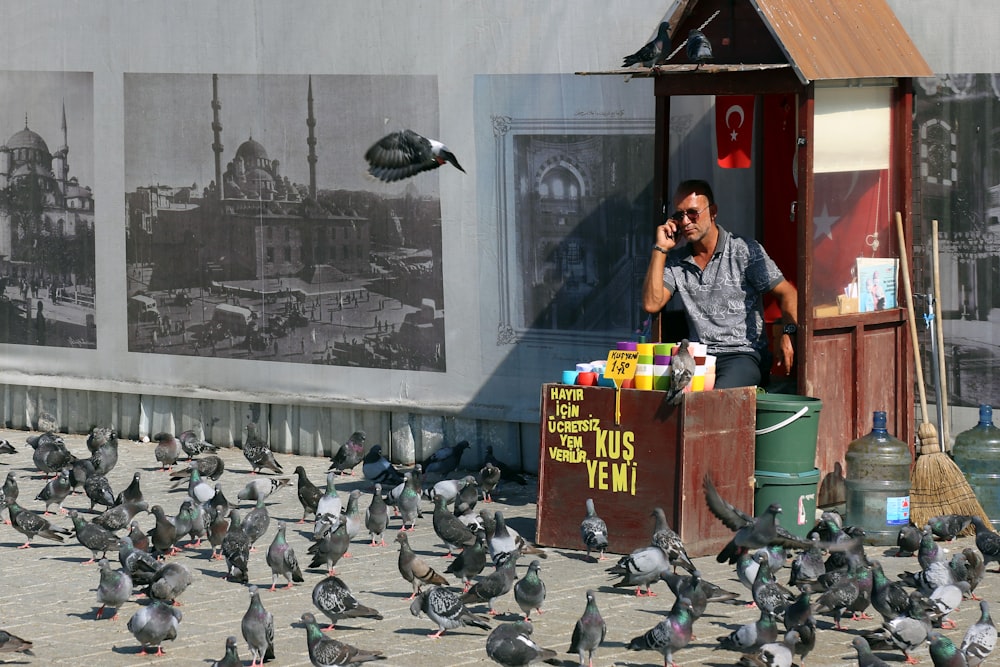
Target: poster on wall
255,232
47,252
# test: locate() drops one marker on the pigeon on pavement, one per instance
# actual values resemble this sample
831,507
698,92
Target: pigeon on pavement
114,588
589,632
949,526
943,651
30,524
981,637
988,542
334,598
258,630
594,531
154,624
349,455
470,562
653,53
377,468
120,516
56,490
907,540
640,569
446,610
282,561
445,460
413,568
236,549
167,450
256,522
773,654
13,644
507,473
257,453
193,443
494,585
330,548
489,477
402,154
749,637
529,590
170,581
449,528
865,656
210,466
682,368
97,538
232,656
668,540
669,635
511,645
260,488
328,652
377,517
307,492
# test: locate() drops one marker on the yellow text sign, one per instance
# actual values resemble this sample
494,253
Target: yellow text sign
621,365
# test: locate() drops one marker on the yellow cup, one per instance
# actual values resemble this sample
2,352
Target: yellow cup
698,383
644,349
644,382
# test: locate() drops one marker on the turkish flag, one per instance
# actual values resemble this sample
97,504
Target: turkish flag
734,130
850,220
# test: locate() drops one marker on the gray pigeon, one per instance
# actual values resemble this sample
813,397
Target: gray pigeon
167,450
981,637
120,516
413,568
353,521
334,598
697,590
140,565
13,644
653,53
377,517
260,488
594,531
307,492
904,633
446,610
98,490
749,637
502,539
529,590
449,528
56,490
494,585
377,468
236,549
282,561
164,533
445,460
258,629
907,540
256,522
668,540
669,635
193,443
773,654
402,154
988,542
350,454
190,520
114,588
98,539
232,656
328,652
489,477
698,48
640,569
471,561
154,624
682,368
408,502
329,502
7,448
589,631
865,656
511,645
943,651
30,524
210,466
199,490
257,453
105,455
170,581
50,455
949,526
929,552
330,549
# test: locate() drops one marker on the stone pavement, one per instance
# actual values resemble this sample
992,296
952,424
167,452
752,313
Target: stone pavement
48,597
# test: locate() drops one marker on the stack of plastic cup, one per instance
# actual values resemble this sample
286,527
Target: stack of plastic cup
709,372
661,371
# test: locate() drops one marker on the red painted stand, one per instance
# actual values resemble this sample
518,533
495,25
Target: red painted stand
656,456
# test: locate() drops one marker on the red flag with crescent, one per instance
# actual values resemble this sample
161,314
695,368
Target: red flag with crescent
734,130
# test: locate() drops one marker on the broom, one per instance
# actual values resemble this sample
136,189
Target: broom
937,485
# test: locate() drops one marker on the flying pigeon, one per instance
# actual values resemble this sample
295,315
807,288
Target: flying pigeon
699,49
589,631
594,531
413,568
682,368
399,155
377,468
511,645
668,540
328,652
653,53
669,635
445,460
529,590
282,561
167,450
257,453
981,637
307,492
377,517
446,610
114,588
232,656
258,630
334,598
349,455
154,624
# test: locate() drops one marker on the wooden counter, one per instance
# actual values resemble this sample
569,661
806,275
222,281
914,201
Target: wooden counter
656,456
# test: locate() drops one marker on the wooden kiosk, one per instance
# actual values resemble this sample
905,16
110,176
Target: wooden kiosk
830,83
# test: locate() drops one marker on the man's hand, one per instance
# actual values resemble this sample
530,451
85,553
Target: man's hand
665,235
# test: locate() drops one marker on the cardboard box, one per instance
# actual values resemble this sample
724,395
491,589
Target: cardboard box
847,304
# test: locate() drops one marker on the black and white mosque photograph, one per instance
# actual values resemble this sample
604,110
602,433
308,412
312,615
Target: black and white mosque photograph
254,230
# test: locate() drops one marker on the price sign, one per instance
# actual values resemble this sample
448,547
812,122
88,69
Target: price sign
621,365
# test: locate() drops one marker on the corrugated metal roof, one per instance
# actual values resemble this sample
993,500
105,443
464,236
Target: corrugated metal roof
841,39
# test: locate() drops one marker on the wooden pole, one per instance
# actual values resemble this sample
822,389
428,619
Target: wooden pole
939,324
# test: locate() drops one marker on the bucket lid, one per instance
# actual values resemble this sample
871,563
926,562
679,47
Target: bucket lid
789,399
772,477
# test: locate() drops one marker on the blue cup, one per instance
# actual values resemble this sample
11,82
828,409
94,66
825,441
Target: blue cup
569,377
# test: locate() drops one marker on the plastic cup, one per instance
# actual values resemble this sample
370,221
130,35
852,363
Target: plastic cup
698,383
644,349
569,377
710,379
644,382
586,379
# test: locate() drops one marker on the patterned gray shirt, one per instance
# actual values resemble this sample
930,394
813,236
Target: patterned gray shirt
724,302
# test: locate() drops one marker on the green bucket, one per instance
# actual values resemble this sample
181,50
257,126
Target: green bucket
795,492
786,433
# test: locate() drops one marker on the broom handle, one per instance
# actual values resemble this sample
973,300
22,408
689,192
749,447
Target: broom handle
939,324
911,317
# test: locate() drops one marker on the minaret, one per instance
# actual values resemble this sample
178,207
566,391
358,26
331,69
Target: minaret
311,124
217,137
64,149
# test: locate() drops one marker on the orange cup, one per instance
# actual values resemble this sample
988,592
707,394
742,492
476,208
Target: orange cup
587,379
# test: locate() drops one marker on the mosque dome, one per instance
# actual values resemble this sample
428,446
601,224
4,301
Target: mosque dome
28,139
252,153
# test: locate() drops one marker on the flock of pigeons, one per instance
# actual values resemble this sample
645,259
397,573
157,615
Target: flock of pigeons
831,571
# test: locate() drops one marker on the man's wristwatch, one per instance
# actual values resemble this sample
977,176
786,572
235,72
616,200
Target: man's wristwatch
790,329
